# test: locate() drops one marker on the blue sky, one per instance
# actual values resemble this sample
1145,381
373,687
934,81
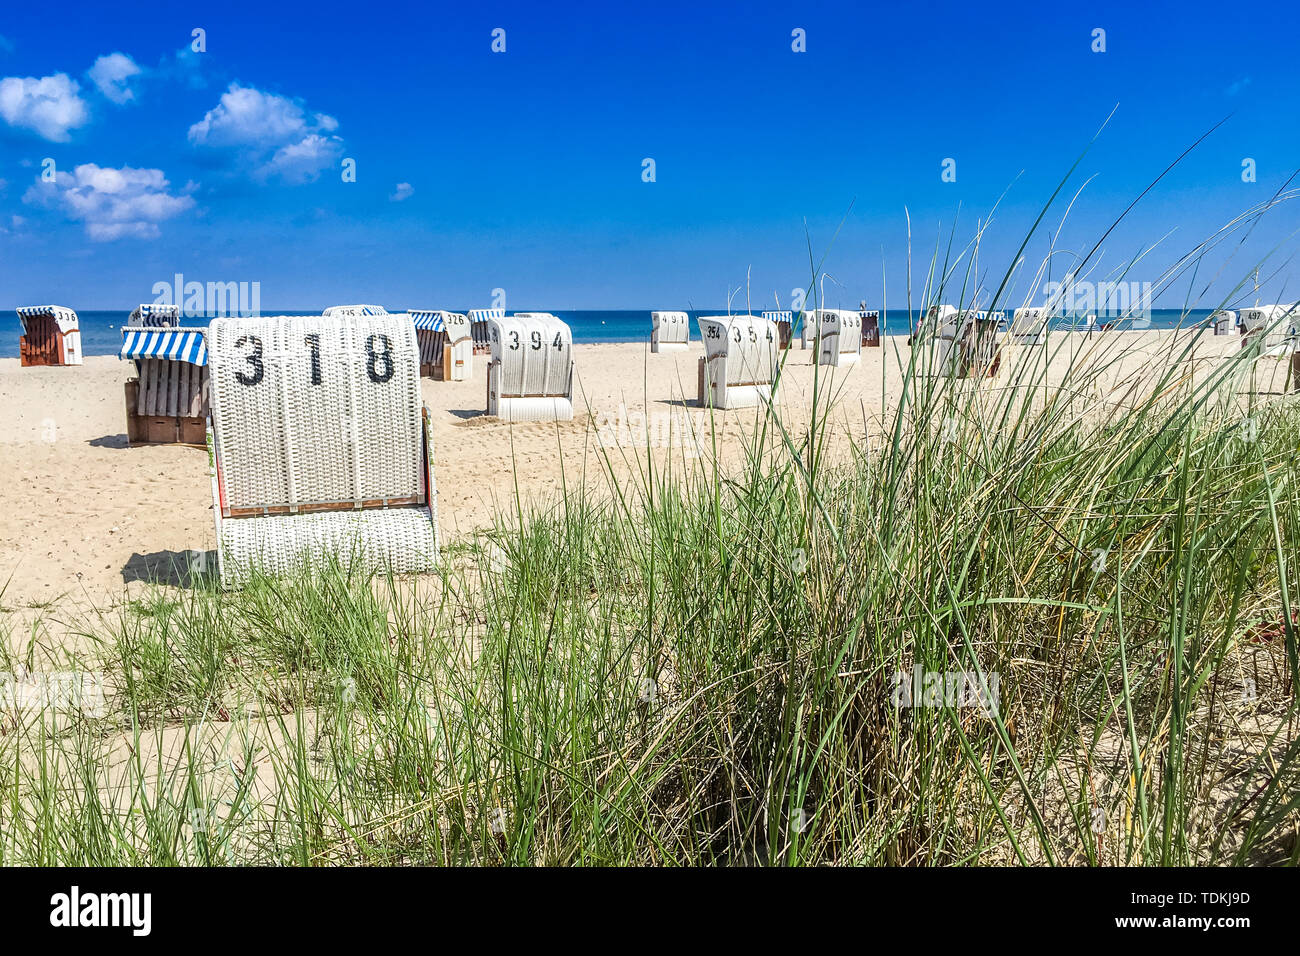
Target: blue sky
524,168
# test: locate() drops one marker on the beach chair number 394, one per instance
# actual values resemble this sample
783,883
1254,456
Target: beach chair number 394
379,359
536,338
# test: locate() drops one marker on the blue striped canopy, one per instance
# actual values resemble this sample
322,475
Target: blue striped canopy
181,345
427,320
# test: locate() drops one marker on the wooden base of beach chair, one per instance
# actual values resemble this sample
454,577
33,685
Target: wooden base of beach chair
160,429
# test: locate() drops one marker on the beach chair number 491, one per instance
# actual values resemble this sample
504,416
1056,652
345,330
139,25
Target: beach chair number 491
536,339
379,360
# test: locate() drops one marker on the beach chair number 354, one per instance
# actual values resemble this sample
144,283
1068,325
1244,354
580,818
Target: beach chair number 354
379,359
536,339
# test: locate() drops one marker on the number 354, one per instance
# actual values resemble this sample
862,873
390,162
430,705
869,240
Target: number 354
379,359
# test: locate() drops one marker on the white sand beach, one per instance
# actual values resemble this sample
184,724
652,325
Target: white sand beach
86,520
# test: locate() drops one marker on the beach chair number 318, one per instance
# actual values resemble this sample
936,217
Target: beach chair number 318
379,359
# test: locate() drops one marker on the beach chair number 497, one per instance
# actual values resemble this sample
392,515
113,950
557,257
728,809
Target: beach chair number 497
379,360
536,339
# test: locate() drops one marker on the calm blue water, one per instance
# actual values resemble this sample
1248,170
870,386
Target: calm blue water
101,331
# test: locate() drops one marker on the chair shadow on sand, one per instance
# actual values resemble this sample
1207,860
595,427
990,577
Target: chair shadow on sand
182,569
109,441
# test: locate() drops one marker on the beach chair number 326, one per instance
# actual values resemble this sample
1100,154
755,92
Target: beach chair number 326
536,338
379,359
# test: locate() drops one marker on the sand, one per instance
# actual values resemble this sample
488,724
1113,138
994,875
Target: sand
86,522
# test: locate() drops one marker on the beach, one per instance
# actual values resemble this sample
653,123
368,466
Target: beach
87,521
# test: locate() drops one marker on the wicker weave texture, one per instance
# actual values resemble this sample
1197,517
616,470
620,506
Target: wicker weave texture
531,372
397,539
841,337
669,331
312,410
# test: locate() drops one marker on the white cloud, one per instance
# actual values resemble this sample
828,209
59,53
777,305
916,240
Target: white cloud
112,74
50,106
404,191
112,203
273,134
302,161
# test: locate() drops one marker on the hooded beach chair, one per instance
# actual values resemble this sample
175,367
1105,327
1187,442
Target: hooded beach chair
978,351
1029,326
669,331
1223,322
168,402
152,315
51,336
1272,327
840,341
784,322
530,374
739,366
446,345
478,328
320,447
338,311
870,319
934,341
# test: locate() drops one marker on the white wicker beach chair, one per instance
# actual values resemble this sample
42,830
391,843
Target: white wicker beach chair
51,335
530,375
934,342
1273,327
320,445
1029,326
339,311
740,365
841,337
1224,322
669,331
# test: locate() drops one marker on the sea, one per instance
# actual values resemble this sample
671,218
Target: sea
101,331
